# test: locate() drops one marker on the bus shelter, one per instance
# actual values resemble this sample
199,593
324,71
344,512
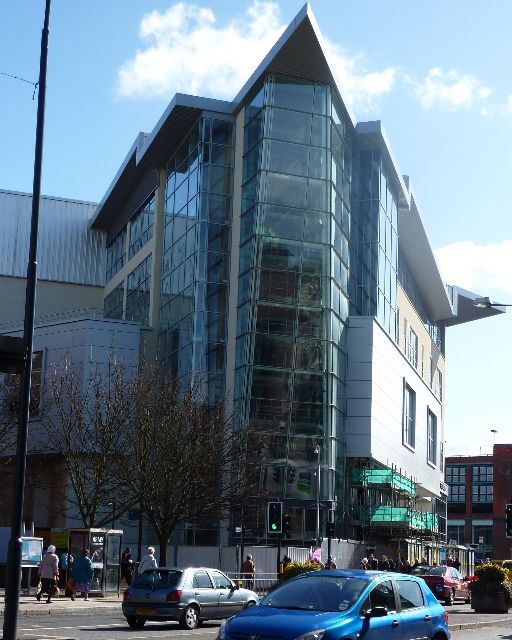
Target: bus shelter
105,552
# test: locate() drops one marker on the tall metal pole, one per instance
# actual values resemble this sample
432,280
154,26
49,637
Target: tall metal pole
317,451
13,577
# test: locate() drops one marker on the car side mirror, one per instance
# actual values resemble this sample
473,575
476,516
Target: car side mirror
234,586
376,612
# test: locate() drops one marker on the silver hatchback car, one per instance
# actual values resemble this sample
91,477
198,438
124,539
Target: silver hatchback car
189,596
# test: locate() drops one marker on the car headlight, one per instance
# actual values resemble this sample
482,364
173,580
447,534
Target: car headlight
221,634
318,634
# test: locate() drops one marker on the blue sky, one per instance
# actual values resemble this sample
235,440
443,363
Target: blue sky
437,74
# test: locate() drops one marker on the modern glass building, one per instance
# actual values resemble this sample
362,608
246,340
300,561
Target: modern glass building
271,248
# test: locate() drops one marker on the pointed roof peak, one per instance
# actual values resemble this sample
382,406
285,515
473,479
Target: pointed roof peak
299,53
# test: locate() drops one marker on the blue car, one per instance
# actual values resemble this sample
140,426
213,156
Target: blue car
343,605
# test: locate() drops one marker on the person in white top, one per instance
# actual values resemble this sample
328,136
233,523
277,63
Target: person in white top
148,561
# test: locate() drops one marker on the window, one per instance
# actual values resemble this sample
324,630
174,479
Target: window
482,473
455,475
431,437
221,581
410,594
413,349
397,326
482,534
438,384
409,416
202,580
405,335
457,493
422,360
116,253
113,304
141,227
381,596
455,533
441,456
138,293
482,492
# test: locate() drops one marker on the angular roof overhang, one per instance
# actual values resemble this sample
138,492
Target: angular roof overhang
464,309
152,151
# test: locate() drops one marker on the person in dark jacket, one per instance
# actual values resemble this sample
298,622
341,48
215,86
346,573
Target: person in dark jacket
82,574
127,565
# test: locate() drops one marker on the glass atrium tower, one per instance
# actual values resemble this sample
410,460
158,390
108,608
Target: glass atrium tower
271,248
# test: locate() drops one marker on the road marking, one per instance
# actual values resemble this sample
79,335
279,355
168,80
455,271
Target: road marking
119,624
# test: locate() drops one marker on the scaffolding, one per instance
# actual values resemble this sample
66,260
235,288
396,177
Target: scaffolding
384,501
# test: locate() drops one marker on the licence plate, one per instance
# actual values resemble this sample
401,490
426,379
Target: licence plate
143,611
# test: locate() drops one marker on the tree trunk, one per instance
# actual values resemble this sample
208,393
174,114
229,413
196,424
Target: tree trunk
163,540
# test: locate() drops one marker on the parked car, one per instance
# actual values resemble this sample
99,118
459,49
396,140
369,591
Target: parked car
446,583
189,596
343,605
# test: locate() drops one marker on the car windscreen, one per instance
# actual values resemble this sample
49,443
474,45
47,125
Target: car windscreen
157,579
421,570
436,571
316,593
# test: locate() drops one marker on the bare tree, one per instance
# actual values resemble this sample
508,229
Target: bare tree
8,432
84,422
186,460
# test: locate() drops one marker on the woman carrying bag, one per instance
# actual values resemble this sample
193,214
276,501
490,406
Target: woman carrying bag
49,573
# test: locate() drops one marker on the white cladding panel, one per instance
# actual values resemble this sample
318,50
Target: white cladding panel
67,251
376,373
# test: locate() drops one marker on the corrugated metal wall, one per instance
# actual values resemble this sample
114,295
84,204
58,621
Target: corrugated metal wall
68,251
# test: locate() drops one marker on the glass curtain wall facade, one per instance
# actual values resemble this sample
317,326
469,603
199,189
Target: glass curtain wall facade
195,267
374,241
293,290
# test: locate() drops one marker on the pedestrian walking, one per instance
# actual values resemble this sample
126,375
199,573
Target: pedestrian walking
373,562
48,573
364,564
127,565
384,564
248,570
83,572
148,561
406,566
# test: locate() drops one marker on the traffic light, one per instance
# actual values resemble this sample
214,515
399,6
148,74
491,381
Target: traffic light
287,523
275,517
508,520
329,530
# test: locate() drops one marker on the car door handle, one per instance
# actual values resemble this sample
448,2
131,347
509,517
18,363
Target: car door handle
428,618
395,623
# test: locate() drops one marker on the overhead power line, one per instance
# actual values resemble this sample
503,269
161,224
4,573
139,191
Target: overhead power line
34,84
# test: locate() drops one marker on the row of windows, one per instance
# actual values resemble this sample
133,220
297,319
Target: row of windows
136,307
481,534
141,231
410,348
480,473
409,425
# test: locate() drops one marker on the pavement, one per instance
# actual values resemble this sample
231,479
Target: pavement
460,617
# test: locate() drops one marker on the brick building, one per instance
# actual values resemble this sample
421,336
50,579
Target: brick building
479,489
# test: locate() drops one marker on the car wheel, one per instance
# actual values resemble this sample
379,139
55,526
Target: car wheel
190,618
450,599
135,622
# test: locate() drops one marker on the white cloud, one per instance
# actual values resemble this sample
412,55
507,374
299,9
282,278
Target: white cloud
484,269
359,86
450,90
184,49
498,109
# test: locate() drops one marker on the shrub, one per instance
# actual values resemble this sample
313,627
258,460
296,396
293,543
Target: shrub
296,568
492,579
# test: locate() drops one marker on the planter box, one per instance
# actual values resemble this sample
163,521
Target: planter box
490,603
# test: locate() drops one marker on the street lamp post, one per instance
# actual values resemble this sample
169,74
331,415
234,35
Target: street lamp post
487,303
13,574
318,485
